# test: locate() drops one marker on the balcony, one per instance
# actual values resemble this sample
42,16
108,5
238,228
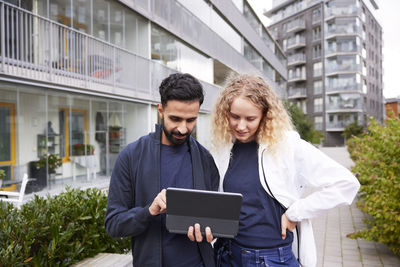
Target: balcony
343,49
343,30
352,105
43,51
336,11
296,25
335,68
337,126
297,77
353,87
296,42
294,93
296,59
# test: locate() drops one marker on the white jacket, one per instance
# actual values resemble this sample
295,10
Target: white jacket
295,166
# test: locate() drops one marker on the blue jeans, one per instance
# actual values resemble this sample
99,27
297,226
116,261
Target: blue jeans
230,254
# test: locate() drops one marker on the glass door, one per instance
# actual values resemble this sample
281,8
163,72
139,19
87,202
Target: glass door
7,139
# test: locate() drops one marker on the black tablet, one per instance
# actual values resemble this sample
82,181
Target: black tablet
218,210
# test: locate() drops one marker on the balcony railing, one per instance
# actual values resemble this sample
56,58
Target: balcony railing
38,49
334,68
343,106
295,42
343,49
295,25
343,29
297,77
296,59
354,87
337,126
297,93
342,11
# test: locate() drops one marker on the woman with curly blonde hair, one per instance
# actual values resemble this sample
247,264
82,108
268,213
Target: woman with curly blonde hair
259,155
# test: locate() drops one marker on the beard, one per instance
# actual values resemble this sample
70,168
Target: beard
170,135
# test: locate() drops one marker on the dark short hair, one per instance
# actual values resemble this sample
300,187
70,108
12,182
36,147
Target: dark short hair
181,86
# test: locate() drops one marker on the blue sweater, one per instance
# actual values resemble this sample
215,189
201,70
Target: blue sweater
134,184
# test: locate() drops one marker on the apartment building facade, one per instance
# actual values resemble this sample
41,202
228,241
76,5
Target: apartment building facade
79,78
392,108
334,54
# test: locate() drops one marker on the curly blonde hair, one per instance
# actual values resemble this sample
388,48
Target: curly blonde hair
274,123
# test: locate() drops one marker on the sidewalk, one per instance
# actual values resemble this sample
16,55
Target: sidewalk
333,247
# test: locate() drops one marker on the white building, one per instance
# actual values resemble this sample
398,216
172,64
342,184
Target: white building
85,74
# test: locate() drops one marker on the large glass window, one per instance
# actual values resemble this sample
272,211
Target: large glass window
317,68
168,50
100,20
317,87
318,104
86,132
316,51
318,121
343,82
208,16
251,18
344,63
343,101
253,56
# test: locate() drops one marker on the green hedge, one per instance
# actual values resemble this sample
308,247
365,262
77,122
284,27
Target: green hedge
56,231
377,161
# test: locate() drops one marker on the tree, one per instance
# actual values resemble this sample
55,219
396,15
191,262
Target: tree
353,129
303,124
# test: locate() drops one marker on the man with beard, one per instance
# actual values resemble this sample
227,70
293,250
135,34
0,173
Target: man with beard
168,157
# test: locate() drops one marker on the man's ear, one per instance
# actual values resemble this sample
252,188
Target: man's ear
160,109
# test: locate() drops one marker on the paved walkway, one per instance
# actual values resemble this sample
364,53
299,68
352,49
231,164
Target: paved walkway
333,247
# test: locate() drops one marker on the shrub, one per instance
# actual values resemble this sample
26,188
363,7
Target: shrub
377,160
353,129
57,231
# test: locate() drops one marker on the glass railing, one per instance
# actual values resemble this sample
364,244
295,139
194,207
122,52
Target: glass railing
335,67
297,92
343,48
296,41
345,87
296,58
344,29
296,24
337,125
297,76
342,11
353,104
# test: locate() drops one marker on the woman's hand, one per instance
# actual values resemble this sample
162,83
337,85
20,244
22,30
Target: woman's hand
286,224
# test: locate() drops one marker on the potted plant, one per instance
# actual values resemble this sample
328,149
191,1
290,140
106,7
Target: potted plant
52,160
82,149
2,175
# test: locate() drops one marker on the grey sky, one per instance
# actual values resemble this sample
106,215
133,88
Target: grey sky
389,18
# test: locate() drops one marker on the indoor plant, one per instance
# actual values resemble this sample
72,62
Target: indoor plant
82,149
2,175
52,160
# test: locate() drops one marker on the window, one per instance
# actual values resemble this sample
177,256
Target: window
316,15
318,122
316,33
73,130
317,67
318,104
7,140
317,87
317,51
